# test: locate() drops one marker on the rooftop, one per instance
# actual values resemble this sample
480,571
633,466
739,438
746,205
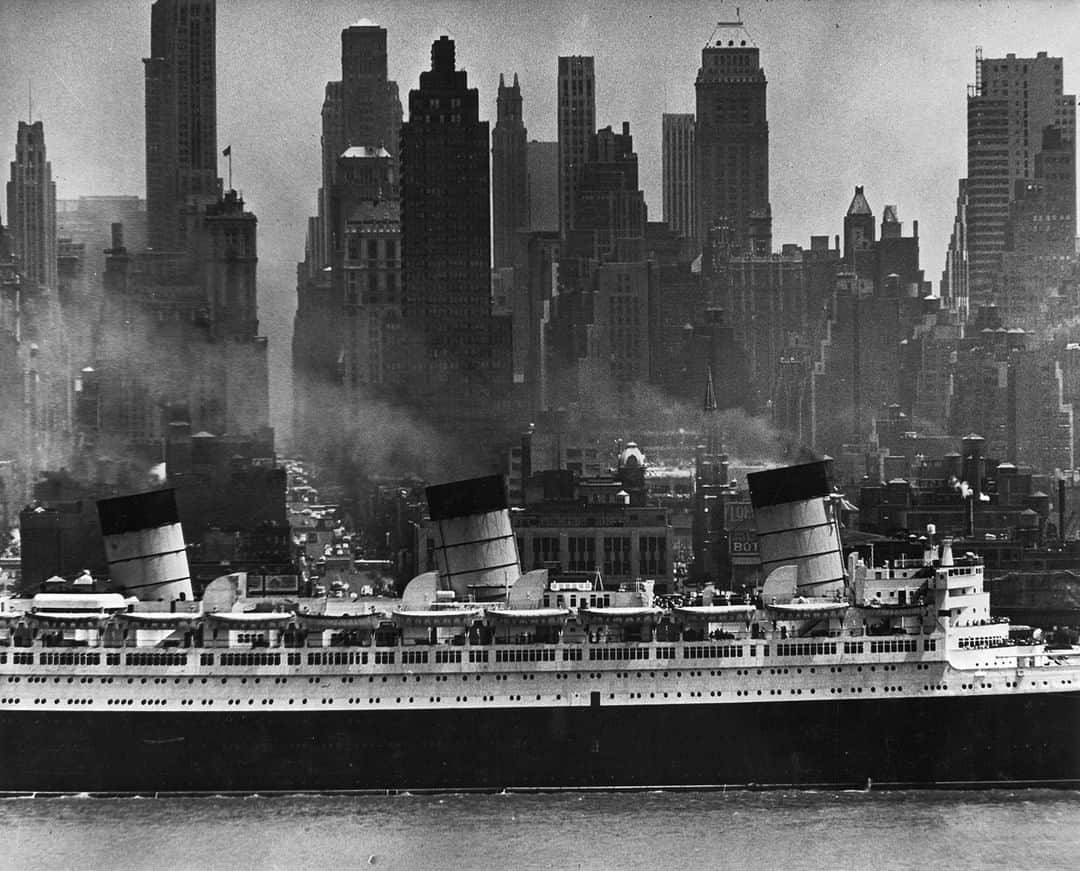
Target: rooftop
730,34
859,205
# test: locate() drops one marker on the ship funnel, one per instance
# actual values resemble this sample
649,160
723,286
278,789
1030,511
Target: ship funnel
144,545
946,552
796,526
475,550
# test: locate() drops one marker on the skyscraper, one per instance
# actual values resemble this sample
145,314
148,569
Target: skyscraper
445,226
365,108
31,204
181,118
732,144
366,275
542,168
678,156
955,278
230,259
1018,117
348,289
610,211
361,110
509,172
577,125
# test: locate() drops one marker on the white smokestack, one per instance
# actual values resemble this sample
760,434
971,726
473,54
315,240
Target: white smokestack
475,549
795,526
144,546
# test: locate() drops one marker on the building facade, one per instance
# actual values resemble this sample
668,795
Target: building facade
732,144
349,298
181,118
509,173
31,207
1016,111
445,228
366,223
679,170
542,172
610,211
577,124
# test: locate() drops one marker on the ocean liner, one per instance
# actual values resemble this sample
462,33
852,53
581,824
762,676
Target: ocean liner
484,677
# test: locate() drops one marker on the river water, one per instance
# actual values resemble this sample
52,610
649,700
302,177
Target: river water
623,830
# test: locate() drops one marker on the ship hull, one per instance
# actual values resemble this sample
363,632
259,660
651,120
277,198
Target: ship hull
1022,738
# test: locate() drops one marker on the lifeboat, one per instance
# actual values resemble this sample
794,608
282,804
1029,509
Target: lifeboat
615,614
530,616
160,619
437,617
714,613
68,619
250,619
802,608
351,622
912,610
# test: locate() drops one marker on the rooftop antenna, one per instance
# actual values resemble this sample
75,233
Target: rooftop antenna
29,102
721,25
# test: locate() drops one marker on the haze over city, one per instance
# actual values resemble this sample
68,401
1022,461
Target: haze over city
859,93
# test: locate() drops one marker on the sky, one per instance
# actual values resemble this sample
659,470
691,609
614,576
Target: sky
860,93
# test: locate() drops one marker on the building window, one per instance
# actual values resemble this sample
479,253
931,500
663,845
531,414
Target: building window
617,555
582,553
545,550
652,554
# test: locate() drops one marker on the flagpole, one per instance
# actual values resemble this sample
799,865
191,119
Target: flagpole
228,153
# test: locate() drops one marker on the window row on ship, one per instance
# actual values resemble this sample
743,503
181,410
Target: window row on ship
405,678
518,697
426,655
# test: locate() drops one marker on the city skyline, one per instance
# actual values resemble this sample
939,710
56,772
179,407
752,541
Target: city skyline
891,90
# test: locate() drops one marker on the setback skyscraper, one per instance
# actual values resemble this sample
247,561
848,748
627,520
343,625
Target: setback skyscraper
509,173
577,126
1021,146
445,226
360,110
609,207
365,109
732,145
181,119
31,205
678,155
348,289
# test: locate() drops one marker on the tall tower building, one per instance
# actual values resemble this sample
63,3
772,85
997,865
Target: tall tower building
181,118
365,88
859,236
361,110
31,204
678,181
732,143
610,208
955,283
577,125
542,169
366,275
229,262
1016,110
445,223
509,172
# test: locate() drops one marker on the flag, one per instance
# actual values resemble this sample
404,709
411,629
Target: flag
227,151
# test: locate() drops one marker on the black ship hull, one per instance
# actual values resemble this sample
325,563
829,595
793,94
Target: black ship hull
899,742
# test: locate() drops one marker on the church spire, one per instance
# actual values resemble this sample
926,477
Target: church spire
710,393
714,440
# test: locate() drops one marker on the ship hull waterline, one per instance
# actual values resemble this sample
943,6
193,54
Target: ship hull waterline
970,740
